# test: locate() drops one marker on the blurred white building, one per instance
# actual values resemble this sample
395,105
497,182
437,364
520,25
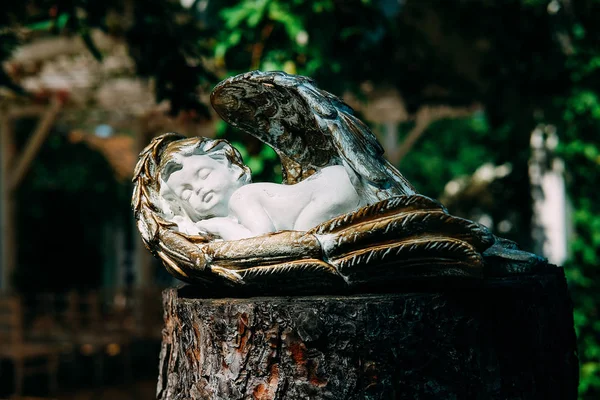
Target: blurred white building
551,225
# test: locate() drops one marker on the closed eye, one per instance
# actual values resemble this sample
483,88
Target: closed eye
204,173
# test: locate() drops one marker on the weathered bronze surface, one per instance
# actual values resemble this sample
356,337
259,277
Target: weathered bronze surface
395,234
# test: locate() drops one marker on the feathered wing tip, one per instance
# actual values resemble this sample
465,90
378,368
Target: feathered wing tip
405,236
303,276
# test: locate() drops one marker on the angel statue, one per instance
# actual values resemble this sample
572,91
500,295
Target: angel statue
343,217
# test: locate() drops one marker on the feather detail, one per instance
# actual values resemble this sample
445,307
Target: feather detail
397,234
298,266
308,127
304,275
391,206
264,250
424,252
407,226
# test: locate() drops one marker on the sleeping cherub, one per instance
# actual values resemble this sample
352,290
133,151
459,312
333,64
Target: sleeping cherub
207,188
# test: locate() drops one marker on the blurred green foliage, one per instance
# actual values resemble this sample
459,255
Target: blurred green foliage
527,62
578,118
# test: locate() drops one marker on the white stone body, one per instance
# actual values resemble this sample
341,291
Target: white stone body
213,199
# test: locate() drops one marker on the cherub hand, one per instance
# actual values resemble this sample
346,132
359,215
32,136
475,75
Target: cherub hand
225,227
212,225
185,225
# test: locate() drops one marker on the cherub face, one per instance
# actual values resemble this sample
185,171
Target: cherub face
204,185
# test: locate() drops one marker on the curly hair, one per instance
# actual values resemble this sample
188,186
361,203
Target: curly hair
171,160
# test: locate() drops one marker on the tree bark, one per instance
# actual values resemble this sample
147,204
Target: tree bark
500,338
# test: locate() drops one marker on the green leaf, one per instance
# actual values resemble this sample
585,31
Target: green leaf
256,165
267,153
322,6
235,16
256,13
292,23
59,23
578,31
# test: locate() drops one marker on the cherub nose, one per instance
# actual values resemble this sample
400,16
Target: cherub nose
202,192
197,187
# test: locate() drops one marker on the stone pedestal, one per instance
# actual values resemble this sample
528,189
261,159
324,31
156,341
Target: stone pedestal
498,338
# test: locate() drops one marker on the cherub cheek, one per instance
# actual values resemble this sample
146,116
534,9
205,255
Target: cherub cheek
196,204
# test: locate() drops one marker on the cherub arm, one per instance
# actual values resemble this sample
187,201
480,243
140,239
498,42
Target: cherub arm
185,225
225,227
245,205
247,218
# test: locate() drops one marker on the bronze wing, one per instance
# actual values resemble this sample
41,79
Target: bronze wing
398,234
309,129
385,243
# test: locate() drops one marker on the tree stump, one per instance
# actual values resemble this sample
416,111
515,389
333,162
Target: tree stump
501,338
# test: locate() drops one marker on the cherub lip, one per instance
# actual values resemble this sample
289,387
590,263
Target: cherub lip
207,196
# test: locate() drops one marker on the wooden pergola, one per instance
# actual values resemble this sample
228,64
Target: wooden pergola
14,166
111,88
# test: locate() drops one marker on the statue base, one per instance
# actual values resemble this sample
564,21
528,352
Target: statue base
497,338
